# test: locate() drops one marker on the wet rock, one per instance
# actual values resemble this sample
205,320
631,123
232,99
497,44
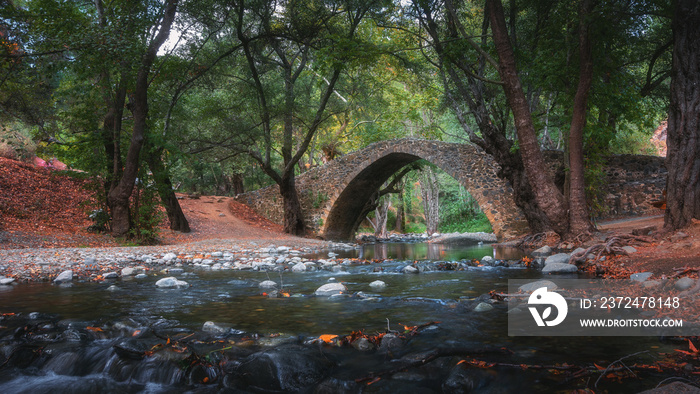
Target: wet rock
175,271
530,287
110,275
559,268
171,283
483,307
63,277
267,284
285,369
673,388
214,328
487,260
684,283
377,284
330,289
390,342
363,344
141,276
337,386
542,252
6,281
409,269
299,267
463,380
641,276
559,258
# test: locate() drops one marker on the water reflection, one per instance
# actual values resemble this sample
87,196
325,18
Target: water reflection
432,251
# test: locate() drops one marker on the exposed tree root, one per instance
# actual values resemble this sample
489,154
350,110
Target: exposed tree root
613,245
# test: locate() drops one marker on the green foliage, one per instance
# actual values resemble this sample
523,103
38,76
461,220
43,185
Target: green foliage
415,228
16,142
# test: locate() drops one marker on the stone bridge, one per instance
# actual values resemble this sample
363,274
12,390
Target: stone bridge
334,196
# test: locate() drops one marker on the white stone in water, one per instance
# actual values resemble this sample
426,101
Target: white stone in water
409,269
483,307
377,284
214,328
486,259
171,283
128,271
113,288
330,289
207,262
110,275
217,254
169,257
299,267
141,276
267,284
6,281
65,276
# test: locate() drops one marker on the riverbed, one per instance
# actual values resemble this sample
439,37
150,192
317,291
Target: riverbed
222,331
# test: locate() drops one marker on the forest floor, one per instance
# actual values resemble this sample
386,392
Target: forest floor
41,208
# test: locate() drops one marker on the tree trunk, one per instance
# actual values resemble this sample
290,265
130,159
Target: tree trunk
293,214
683,140
119,196
548,197
579,221
178,221
400,226
430,191
381,214
237,184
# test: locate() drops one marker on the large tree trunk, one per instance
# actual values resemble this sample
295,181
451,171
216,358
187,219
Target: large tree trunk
579,221
381,214
683,143
178,221
293,214
548,197
400,226
430,191
119,196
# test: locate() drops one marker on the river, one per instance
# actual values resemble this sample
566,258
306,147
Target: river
126,335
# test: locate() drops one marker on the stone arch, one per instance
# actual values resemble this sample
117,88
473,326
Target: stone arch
471,167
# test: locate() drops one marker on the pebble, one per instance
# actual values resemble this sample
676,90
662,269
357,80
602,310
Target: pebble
171,282
377,284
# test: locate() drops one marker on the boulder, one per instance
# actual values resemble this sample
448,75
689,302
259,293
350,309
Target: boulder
65,276
684,283
284,369
267,284
542,252
409,269
171,282
641,276
559,268
530,287
330,289
377,284
559,258
128,271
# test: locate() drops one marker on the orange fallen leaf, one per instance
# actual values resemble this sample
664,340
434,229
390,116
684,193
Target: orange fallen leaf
96,329
327,338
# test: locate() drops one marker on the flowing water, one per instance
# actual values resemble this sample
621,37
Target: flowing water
71,338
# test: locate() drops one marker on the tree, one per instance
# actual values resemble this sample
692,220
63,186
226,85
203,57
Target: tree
683,143
430,190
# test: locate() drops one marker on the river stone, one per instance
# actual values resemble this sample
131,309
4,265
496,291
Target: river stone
65,276
530,287
629,249
377,284
169,257
285,369
673,388
89,261
110,275
330,289
641,276
543,251
217,254
682,283
466,380
390,342
559,268
171,283
483,307
559,258
363,344
213,328
267,284
6,281
409,269
299,267
487,260
141,276
128,271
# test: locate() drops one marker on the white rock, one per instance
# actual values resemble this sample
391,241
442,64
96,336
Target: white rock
483,307
267,284
65,276
169,257
543,251
299,267
214,328
110,275
487,259
377,284
409,269
330,289
559,258
530,287
128,271
6,281
207,262
171,282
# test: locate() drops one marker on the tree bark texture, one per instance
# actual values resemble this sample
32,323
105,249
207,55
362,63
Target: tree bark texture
683,141
381,215
178,221
579,221
293,214
119,196
548,197
430,191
